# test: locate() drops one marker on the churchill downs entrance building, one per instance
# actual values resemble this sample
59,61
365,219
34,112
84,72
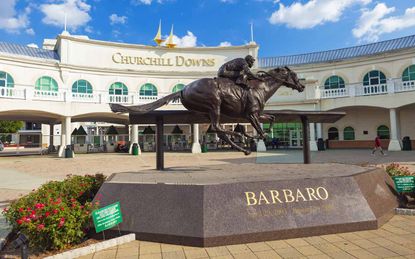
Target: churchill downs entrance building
69,83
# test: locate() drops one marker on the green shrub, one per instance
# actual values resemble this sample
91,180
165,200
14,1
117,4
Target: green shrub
395,169
57,215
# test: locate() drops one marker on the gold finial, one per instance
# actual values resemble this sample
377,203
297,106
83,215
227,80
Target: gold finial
170,44
158,38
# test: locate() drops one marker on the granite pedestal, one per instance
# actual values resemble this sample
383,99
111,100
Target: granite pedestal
231,204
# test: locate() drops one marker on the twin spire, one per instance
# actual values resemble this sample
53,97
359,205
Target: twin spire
169,42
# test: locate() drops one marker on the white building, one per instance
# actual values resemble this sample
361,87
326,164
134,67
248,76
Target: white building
73,79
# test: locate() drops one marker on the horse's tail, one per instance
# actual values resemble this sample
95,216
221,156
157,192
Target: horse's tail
146,107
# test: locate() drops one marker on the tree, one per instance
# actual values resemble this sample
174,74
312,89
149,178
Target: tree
10,126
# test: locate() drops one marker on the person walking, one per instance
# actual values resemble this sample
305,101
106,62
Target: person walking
377,146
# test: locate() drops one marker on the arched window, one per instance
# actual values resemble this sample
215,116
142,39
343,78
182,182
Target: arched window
334,82
46,83
82,87
118,88
6,80
148,90
178,87
383,132
333,133
409,74
374,77
348,133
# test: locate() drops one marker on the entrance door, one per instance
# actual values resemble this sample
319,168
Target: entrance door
296,139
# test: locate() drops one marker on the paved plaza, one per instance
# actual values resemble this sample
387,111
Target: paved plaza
395,239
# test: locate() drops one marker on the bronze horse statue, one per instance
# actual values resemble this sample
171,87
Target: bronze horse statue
216,96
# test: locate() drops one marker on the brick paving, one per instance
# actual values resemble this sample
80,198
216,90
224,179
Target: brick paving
395,239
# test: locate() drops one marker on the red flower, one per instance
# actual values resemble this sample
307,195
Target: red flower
26,219
40,226
80,193
32,216
47,213
62,208
55,211
21,209
73,199
61,222
5,210
19,221
39,205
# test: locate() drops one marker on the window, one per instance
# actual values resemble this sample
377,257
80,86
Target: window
118,88
6,80
82,87
334,82
348,133
383,132
374,77
148,90
178,87
409,74
46,83
333,133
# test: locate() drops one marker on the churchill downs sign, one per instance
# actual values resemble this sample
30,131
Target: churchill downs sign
178,61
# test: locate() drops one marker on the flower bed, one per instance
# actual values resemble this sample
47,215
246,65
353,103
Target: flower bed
58,214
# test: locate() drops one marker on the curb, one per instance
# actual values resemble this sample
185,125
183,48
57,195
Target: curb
402,211
94,247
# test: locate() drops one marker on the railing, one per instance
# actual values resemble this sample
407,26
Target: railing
372,90
147,99
404,86
85,98
112,98
334,93
7,92
48,95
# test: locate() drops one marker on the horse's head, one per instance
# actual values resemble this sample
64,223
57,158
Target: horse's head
288,77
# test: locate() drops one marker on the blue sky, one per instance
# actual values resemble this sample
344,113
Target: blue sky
281,27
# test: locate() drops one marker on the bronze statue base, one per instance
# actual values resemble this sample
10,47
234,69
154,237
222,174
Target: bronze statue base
228,204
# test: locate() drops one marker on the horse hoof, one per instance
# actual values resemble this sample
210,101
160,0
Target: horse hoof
247,152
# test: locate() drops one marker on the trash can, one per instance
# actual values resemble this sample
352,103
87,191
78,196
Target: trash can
320,144
68,152
135,149
204,148
406,144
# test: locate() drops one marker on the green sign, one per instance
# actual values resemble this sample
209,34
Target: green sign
107,217
404,183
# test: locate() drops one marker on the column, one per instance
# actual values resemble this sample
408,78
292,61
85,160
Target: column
51,147
68,132
306,144
159,143
260,146
394,144
61,152
196,145
313,142
134,138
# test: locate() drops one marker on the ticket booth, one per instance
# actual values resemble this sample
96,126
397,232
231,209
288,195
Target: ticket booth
147,139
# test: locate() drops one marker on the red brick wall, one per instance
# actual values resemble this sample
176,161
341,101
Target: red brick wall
364,144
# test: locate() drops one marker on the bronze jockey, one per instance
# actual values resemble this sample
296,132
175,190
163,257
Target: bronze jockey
238,70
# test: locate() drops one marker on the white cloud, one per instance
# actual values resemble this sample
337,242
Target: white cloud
187,41
225,44
10,20
145,2
30,31
228,1
373,23
33,45
312,13
89,29
114,18
77,12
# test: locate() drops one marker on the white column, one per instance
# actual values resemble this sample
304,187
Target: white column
134,138
394,144
61,152
260,146
196,149
313,142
